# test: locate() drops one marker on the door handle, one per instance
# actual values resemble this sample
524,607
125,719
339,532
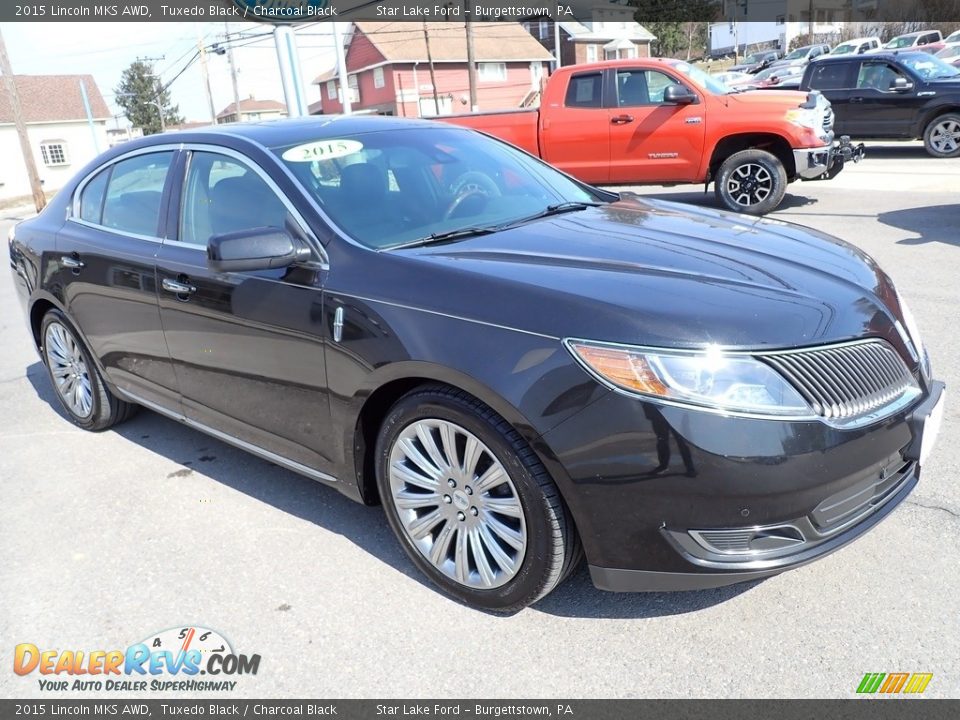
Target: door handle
856,99
621,119
72,262
175,286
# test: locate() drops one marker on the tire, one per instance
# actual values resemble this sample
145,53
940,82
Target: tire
751,181
941,139
75,378
467,548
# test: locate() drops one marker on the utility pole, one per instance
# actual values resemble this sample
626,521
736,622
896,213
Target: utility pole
39,199
233,70
471,61
557,54
433,76
157,88
206,77
344,79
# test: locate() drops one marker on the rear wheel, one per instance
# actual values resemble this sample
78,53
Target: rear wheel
470,502
942,136
75,378
751,181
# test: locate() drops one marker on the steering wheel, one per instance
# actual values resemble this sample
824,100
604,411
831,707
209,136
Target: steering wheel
470,184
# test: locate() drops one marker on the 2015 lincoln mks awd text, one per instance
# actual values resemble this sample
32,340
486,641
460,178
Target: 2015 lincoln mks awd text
521,368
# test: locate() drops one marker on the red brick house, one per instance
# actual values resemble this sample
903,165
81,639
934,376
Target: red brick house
389,73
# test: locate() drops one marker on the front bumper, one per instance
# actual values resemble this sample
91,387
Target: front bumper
824,163
687,500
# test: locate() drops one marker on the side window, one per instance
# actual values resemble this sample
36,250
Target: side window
642,87
91,199
584,91
877,76
223,195
132,202
830,76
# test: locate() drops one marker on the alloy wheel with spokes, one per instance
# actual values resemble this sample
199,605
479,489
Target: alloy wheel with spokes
457,504
750,184
942,137
69,370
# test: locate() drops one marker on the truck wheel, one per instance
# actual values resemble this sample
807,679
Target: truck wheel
942,136
751,181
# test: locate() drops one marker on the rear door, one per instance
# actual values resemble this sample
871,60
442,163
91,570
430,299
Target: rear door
247,347
575,137
651,140
107,252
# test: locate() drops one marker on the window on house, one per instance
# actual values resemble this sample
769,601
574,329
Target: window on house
489,72
331,90
54,153
591,53
609,54
378,77
544,29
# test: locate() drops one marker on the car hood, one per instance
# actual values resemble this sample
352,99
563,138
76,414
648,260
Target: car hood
786,98
658,273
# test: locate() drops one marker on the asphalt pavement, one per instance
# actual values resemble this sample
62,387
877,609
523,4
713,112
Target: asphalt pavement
109,538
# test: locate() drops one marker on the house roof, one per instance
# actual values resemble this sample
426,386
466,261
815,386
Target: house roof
403,42
579,32
53,98
252,105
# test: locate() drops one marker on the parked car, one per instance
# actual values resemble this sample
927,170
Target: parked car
770,78
902,95
802,55
757,61
953,37
857,46
924,40
521,368
663,121
731,79
950,53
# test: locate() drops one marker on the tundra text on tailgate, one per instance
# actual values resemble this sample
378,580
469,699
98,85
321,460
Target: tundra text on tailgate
659,121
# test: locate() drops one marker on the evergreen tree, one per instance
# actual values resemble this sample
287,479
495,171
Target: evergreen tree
142,95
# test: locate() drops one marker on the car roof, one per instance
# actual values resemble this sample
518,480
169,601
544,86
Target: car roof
885,55
916,33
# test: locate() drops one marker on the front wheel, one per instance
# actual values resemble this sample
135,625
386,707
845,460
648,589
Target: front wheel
470,502
941,139
751,181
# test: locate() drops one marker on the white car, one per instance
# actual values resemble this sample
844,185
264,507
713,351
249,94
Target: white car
857,46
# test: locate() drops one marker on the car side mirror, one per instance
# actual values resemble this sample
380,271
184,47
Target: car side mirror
261,248
901,84
678,95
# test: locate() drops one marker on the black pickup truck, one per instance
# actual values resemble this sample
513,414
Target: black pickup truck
896,95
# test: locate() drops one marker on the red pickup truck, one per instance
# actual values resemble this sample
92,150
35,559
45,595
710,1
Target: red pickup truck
665,122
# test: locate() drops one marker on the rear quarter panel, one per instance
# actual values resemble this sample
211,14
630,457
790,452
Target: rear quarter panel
519,127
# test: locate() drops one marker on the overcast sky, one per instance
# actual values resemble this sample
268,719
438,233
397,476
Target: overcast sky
105,49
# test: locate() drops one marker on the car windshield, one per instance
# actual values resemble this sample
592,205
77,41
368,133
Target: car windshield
930,67
392,188
698,76
949,52
901,42
752,59
844,49
798,54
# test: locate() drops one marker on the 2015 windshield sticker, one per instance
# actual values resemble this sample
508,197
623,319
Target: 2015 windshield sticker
323,150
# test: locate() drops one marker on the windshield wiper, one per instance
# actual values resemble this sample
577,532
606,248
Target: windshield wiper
447,236
550,210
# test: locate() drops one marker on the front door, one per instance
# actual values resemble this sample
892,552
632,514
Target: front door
576,137
650,138
247,347
877,110
106,256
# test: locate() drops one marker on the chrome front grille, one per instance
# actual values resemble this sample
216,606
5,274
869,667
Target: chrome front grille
849,381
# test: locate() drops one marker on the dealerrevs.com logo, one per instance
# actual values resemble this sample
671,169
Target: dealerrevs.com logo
179,659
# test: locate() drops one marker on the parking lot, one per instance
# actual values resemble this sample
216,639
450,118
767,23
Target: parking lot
111,537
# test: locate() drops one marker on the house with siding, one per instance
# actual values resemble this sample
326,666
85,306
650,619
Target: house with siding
389,73
252,110
610,34
62,137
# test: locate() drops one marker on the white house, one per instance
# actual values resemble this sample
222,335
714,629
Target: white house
790,20
58,128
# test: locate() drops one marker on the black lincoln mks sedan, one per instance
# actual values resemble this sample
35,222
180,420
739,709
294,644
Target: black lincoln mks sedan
521,368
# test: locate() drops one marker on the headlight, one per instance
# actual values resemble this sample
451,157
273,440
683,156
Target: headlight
707,379
912,336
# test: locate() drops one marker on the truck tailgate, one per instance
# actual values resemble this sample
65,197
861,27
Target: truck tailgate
517,127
